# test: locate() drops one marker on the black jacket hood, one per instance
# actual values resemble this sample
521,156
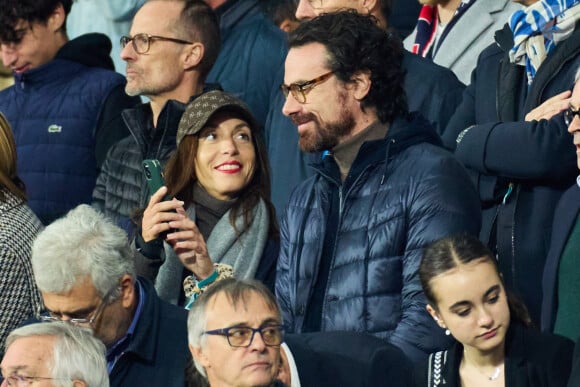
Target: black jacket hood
93,50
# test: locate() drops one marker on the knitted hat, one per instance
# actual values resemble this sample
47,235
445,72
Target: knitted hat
199,111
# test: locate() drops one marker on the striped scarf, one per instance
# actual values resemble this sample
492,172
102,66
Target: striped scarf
538,29
427,28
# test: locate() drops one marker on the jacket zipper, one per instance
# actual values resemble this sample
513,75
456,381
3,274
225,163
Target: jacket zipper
341,197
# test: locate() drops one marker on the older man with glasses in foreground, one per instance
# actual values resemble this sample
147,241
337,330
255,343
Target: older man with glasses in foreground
235,332
54,355
84,268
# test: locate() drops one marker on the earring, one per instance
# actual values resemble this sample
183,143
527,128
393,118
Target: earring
447,332
436,318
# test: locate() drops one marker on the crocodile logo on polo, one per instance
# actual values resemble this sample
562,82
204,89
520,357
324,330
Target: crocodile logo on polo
54,128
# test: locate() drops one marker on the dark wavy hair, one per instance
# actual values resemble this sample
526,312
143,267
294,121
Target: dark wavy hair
355,43
30,11
180,177
199,23
456,250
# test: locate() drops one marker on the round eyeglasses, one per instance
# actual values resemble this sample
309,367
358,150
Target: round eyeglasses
142,42
272,335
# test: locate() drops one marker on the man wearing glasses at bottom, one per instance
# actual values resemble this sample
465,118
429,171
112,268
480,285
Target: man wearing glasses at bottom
84,267
50,355
235,332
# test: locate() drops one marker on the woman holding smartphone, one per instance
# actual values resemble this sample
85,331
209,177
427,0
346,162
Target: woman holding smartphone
219,177
19,297
495,345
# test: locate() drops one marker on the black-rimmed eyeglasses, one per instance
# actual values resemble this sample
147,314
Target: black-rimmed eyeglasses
272,335
299,90
142,42
569,115
87,321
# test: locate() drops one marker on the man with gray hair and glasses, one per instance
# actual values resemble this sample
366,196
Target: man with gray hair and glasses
54,355
235,332
84,268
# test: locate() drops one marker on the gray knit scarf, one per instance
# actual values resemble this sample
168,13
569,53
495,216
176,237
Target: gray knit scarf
243,251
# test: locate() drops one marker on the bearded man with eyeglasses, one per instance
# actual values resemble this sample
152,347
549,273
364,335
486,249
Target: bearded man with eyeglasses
84,268
352,235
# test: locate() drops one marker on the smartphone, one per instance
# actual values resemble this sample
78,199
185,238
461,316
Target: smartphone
154,176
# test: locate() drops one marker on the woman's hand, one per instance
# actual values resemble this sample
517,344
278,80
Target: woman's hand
190,247
159,214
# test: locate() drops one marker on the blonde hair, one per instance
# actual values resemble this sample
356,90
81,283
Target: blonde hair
8,177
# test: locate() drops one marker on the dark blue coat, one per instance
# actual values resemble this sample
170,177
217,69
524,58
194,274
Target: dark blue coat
564,222
253,49
536,158
432,90
158,352
402,193
63,116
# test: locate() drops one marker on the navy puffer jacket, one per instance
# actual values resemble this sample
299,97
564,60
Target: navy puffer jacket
402,192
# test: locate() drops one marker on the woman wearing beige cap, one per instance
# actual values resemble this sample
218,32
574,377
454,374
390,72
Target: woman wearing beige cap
221,217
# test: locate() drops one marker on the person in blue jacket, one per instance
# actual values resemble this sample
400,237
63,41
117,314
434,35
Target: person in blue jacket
351,238
64,106
432,90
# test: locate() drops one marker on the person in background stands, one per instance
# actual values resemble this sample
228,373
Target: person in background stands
453,33
173,46
65,104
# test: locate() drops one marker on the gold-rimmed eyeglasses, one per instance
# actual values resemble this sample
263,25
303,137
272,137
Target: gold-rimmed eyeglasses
299,90
142,42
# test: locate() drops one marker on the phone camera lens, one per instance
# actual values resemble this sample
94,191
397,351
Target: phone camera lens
147,172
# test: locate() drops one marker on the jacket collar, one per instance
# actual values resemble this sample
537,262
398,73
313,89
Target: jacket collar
139,121
403,133
143,344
